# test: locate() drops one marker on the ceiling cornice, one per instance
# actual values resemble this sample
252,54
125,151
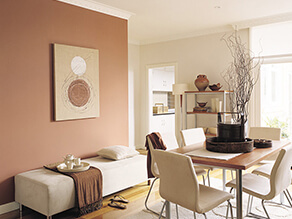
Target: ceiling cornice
263,21
198,33
235,26
98,7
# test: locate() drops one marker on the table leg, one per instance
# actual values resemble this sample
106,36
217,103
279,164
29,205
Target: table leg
167,210
224,179
239,194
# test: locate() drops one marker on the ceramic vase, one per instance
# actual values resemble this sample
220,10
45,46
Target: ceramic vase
201,82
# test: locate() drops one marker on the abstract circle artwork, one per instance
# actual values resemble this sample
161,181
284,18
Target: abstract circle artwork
76,74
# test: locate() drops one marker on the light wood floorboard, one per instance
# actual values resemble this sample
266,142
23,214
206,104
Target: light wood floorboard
136,195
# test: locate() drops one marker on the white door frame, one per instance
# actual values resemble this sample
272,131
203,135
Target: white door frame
149,94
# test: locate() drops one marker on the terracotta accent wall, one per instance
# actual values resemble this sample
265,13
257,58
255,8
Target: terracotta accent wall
30,137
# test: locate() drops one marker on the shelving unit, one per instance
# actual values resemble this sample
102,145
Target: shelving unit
220,93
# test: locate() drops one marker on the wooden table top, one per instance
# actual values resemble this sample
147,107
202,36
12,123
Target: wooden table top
241,162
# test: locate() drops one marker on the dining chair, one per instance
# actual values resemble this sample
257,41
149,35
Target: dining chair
195,136
179,184
171,143
265,133
267,188
265,170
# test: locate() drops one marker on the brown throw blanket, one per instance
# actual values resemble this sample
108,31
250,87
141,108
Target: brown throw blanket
157,143
88,186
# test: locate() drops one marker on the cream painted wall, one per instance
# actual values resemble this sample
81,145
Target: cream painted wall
204,54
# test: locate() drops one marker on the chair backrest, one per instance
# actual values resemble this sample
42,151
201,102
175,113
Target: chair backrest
154,168
280,177
169,140
178,180
265,132
193,136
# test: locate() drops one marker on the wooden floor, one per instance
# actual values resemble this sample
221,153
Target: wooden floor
136,195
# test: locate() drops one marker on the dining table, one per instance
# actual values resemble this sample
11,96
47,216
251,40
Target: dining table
239,163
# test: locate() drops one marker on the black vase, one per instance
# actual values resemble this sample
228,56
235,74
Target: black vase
228,132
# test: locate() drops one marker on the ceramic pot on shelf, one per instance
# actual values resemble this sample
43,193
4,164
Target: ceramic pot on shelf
201,82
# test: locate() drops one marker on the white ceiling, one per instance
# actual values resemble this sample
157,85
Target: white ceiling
162,20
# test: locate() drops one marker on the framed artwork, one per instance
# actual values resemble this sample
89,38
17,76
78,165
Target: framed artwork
76,82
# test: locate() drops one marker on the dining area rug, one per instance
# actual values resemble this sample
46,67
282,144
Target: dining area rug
275,211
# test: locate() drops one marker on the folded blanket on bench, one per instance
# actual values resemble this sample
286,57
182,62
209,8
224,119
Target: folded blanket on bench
88,186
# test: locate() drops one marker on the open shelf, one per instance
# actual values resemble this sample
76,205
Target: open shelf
198,112
221,94
210,135
208,92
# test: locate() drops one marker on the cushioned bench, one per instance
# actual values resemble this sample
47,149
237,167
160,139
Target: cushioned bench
49,193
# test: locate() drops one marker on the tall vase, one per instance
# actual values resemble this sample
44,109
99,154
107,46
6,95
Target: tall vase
201,82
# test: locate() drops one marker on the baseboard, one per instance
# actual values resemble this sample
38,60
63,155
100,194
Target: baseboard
8,207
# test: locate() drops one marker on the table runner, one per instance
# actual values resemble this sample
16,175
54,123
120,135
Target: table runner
88,186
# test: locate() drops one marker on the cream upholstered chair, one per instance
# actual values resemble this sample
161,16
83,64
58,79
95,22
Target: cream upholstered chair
171,143
179,184
195,136
266,133
266,169
267,188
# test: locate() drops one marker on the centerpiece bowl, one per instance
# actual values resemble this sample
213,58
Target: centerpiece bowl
212,144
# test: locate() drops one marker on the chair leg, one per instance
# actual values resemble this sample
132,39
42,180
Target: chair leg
195,215
227,211
289,199
208,175
289,194
148,195
231,212
160,215
263,204
20,210
251,201
176,206
205,215
203,180
249,204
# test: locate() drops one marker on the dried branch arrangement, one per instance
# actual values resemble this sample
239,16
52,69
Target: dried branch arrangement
239,75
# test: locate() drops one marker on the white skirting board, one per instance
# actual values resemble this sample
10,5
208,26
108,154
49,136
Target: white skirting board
8,207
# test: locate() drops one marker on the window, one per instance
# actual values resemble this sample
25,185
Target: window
276,96
272,100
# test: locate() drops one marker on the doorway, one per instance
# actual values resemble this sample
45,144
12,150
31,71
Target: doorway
161,100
